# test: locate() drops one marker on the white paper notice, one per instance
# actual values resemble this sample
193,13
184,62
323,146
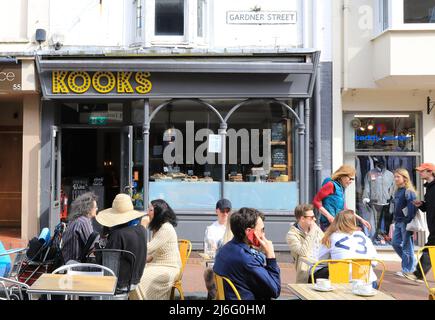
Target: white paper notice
214,143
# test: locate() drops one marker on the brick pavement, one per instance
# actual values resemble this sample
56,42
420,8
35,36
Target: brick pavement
400,288
194,287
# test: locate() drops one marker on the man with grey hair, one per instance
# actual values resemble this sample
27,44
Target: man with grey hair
79,228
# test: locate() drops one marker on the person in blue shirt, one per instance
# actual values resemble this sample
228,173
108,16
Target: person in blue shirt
254,279
403,212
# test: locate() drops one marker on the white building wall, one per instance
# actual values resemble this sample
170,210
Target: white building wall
253,35
399,56
110,24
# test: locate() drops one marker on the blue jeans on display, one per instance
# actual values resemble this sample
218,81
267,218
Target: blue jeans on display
403,244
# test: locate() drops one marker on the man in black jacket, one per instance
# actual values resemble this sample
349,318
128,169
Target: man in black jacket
427,173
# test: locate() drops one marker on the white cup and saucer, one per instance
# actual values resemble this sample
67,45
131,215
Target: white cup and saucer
323,285
361,288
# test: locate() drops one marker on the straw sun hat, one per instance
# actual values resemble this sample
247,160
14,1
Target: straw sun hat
122,211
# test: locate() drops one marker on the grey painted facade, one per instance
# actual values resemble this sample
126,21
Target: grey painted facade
192,224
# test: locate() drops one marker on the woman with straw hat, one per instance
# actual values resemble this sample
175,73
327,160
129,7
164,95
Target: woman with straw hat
125,233
330,200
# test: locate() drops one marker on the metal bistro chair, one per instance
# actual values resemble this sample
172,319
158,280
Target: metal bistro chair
339,270
19,256
12,289
185,248
431,253
85,269
111,258
220,291
362,268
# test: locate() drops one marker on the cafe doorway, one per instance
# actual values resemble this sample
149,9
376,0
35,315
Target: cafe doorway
87,158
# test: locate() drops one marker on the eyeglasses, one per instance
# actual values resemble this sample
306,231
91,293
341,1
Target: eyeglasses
351,179
311,217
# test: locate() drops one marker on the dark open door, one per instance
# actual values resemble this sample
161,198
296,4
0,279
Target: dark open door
55,177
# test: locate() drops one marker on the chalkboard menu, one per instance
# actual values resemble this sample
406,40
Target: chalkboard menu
278,131
79,186
279,156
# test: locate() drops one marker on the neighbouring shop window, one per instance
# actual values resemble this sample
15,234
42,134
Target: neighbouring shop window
169,17
421,11
382,133
378,144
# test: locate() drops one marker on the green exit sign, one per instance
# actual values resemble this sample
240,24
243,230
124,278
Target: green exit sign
98,120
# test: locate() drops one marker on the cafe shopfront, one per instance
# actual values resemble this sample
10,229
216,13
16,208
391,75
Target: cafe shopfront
189,130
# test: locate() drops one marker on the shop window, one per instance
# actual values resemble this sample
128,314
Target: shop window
377,145
382,133
260,147
422,11
185,158
169,17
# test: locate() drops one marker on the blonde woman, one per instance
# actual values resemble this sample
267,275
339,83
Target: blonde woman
403,212
330,198
345,240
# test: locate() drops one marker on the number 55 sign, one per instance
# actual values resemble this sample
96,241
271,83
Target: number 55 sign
10,77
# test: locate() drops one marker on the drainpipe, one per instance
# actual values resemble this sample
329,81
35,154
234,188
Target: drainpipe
346,9
317,134
307,150
301,150
317,130
146,147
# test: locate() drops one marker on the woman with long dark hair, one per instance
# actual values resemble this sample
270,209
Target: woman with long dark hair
163,262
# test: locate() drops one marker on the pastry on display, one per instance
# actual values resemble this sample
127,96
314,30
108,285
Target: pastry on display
206,179
191,179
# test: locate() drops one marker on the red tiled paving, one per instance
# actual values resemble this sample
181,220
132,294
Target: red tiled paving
400,288
11,238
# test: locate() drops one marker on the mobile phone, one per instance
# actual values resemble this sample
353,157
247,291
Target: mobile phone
252,238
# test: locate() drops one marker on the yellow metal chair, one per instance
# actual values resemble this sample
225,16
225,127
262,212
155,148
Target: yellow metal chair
339,270
185,248
431,250
220,292
362,269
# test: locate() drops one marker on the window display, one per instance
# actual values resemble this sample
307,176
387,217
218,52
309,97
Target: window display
380,144
186,158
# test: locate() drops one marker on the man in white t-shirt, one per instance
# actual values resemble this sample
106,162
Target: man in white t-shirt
213,240
215,232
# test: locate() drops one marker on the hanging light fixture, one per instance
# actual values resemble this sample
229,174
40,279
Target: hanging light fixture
170,133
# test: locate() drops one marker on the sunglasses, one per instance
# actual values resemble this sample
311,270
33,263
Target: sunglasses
311,217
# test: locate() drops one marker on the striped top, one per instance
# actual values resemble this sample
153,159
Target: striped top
75,237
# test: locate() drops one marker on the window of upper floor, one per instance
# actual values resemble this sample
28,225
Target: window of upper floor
421,11
404,15
170,22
